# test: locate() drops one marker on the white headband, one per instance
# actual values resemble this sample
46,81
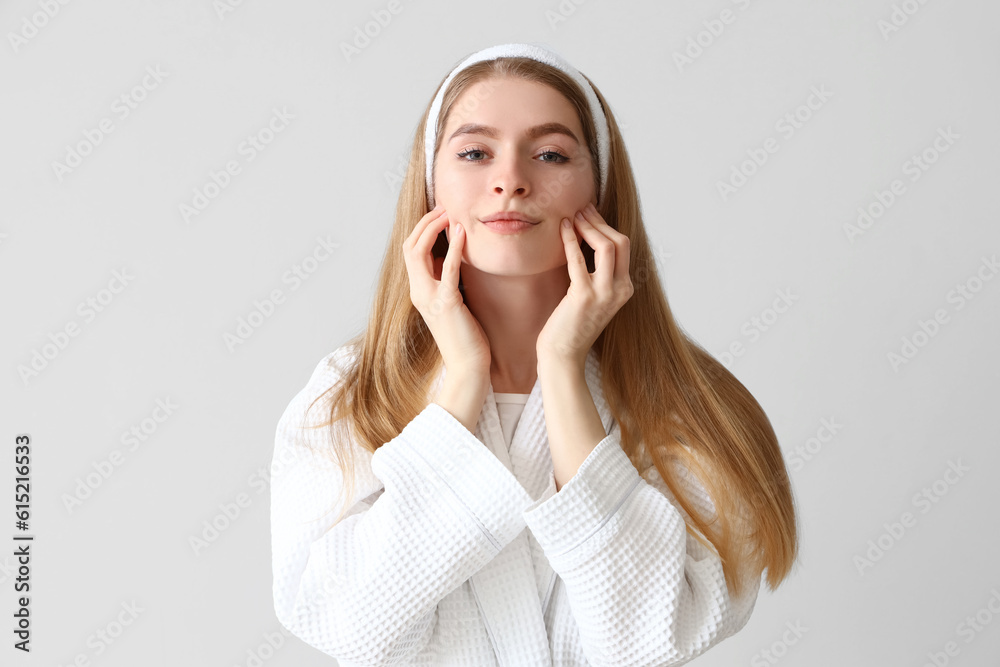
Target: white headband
540,54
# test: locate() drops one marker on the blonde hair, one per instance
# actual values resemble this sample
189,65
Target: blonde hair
660,385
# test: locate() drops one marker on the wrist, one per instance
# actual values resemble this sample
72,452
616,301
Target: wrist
549,363
463,399
466,382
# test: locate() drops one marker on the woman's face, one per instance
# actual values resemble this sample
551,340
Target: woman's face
513,145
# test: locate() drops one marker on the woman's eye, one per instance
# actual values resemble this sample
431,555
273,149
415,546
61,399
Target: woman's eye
468,152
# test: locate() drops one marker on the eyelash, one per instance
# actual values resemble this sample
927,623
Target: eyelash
469,151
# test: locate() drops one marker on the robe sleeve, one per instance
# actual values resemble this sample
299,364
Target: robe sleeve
643,592
432,506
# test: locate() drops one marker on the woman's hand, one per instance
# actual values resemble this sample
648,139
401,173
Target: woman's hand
434,292
592,299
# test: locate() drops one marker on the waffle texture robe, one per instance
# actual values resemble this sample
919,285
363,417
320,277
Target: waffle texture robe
457,550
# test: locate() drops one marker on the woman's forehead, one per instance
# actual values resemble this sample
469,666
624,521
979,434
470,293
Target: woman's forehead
512,107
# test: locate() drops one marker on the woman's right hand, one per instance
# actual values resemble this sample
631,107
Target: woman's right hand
459,336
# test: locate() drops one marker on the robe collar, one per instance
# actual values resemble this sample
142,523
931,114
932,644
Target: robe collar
514,589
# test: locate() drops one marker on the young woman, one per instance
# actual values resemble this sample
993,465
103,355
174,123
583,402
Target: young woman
533,464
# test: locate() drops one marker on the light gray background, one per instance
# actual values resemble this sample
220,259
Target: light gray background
330,173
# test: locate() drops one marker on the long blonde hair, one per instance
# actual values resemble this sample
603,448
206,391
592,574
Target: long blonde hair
660,385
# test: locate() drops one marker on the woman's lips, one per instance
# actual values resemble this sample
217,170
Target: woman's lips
508,226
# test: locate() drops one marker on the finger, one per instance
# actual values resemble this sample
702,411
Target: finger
416,256
453,260
417,228
422,224
604,253
621,241
425,242
594,216
575,262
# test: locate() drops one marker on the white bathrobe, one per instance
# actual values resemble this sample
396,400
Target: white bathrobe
457,551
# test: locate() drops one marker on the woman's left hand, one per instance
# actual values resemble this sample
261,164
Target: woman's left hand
592,298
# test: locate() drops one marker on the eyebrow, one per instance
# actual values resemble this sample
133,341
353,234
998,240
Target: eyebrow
532,132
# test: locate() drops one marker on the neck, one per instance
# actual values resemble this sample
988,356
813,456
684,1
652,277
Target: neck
512,311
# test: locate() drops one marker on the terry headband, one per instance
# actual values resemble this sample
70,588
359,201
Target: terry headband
540,54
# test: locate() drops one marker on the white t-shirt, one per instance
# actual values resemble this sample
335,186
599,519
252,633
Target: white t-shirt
510,407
